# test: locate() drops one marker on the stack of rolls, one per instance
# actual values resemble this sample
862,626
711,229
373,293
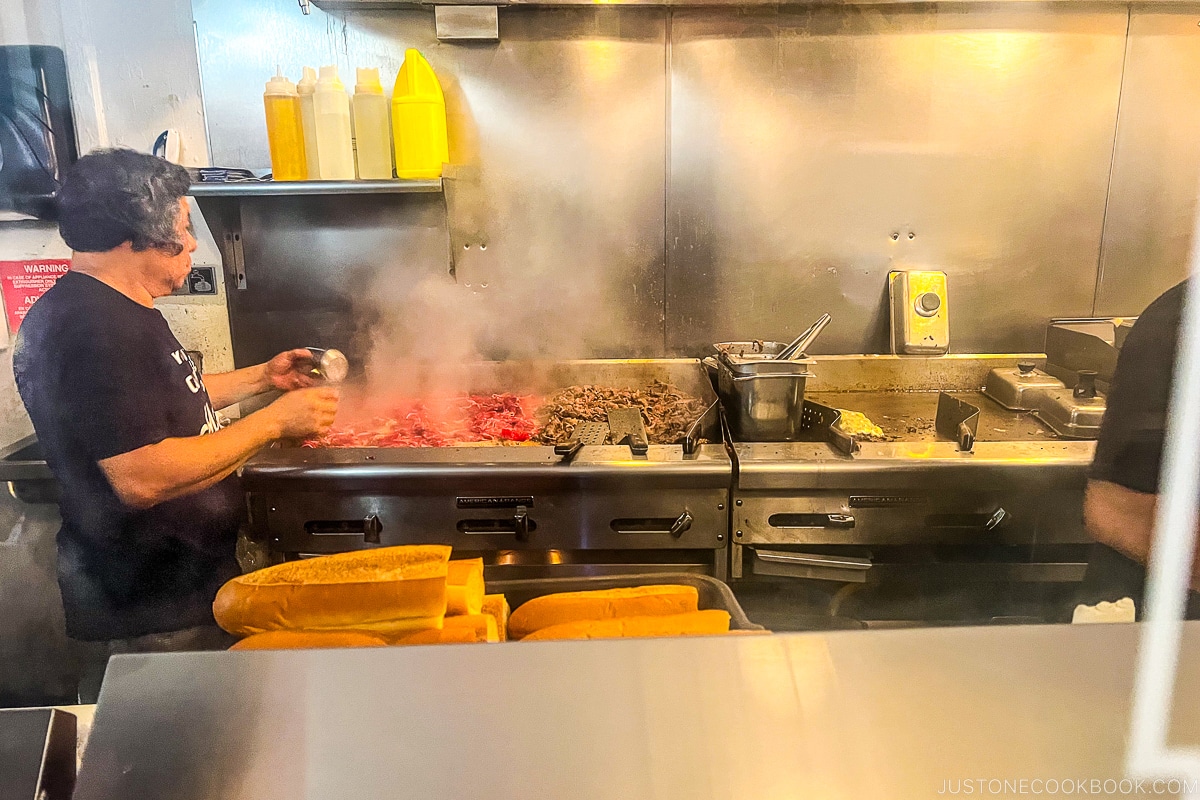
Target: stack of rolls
416,595
413,594
640,611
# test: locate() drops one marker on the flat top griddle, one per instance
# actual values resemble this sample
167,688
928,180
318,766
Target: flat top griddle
907,416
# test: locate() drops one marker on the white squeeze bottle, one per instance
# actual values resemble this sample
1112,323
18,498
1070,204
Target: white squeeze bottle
308,120
372,127
335,150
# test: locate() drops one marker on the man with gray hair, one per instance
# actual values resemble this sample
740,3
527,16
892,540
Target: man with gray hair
150,501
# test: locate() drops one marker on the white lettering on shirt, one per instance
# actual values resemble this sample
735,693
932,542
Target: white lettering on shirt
195,384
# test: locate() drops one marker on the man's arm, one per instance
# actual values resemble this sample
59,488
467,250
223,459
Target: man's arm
287,371
227,388
1123,519
1120,518
175,467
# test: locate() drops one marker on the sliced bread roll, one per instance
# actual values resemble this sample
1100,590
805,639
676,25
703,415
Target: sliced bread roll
482,625
694,623
388,588
309,640
443,636
637,601
496,605
464,586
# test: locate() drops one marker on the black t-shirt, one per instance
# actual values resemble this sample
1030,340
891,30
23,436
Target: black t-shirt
1130,448
102,375
1129,451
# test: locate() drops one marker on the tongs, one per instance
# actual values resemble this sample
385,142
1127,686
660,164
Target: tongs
801,343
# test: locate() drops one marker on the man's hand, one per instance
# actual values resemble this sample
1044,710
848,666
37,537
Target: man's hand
305,412
290,370
176,467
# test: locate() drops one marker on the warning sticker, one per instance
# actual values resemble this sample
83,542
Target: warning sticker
22,283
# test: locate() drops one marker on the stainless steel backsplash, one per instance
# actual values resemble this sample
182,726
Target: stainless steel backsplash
646,181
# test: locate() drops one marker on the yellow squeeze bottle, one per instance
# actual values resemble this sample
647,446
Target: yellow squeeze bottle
419,120
285,133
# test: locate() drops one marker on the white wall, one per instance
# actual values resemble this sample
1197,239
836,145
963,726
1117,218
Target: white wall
30,22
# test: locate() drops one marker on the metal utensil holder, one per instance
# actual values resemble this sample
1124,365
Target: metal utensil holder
763,400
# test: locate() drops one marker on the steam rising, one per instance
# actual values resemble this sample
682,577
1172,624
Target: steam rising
531,294
555,214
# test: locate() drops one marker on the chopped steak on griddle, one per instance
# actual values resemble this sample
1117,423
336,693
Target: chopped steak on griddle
666,411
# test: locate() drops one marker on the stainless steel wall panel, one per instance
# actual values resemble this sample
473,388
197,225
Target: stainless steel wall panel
815,149
314,265
1156,166
555,196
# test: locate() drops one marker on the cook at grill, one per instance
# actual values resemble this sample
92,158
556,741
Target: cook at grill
1122,492
150,505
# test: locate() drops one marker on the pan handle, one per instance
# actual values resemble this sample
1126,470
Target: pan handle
966,437
637,445
568,450
691,439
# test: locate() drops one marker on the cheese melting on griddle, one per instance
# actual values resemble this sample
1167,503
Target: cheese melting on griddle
857,424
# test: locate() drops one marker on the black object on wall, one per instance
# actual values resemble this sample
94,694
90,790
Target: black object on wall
37,130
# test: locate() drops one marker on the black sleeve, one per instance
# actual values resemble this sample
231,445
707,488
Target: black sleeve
109,386
1130,448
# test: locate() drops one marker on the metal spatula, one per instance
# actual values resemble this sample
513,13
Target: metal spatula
626,426
585,433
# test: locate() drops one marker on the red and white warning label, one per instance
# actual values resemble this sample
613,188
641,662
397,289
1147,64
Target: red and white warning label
22,283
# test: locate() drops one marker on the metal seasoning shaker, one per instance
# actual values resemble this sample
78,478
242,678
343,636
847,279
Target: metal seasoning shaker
332,365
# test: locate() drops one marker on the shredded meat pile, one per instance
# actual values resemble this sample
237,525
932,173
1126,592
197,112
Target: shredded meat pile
666,411
500,419
465,419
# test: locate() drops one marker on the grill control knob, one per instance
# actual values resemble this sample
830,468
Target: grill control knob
372,527
1086,388
928,304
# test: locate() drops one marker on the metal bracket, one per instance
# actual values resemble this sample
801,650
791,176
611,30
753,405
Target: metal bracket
223,215
470,23
814,566
957,420
236,255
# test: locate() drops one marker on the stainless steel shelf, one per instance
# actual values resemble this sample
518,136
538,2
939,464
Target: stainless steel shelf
408,5
305,188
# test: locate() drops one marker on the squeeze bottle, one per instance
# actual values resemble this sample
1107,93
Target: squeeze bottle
372,127
308,120
285,132
335,150
419,120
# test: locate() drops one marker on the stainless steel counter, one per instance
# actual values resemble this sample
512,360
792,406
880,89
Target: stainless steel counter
838,715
